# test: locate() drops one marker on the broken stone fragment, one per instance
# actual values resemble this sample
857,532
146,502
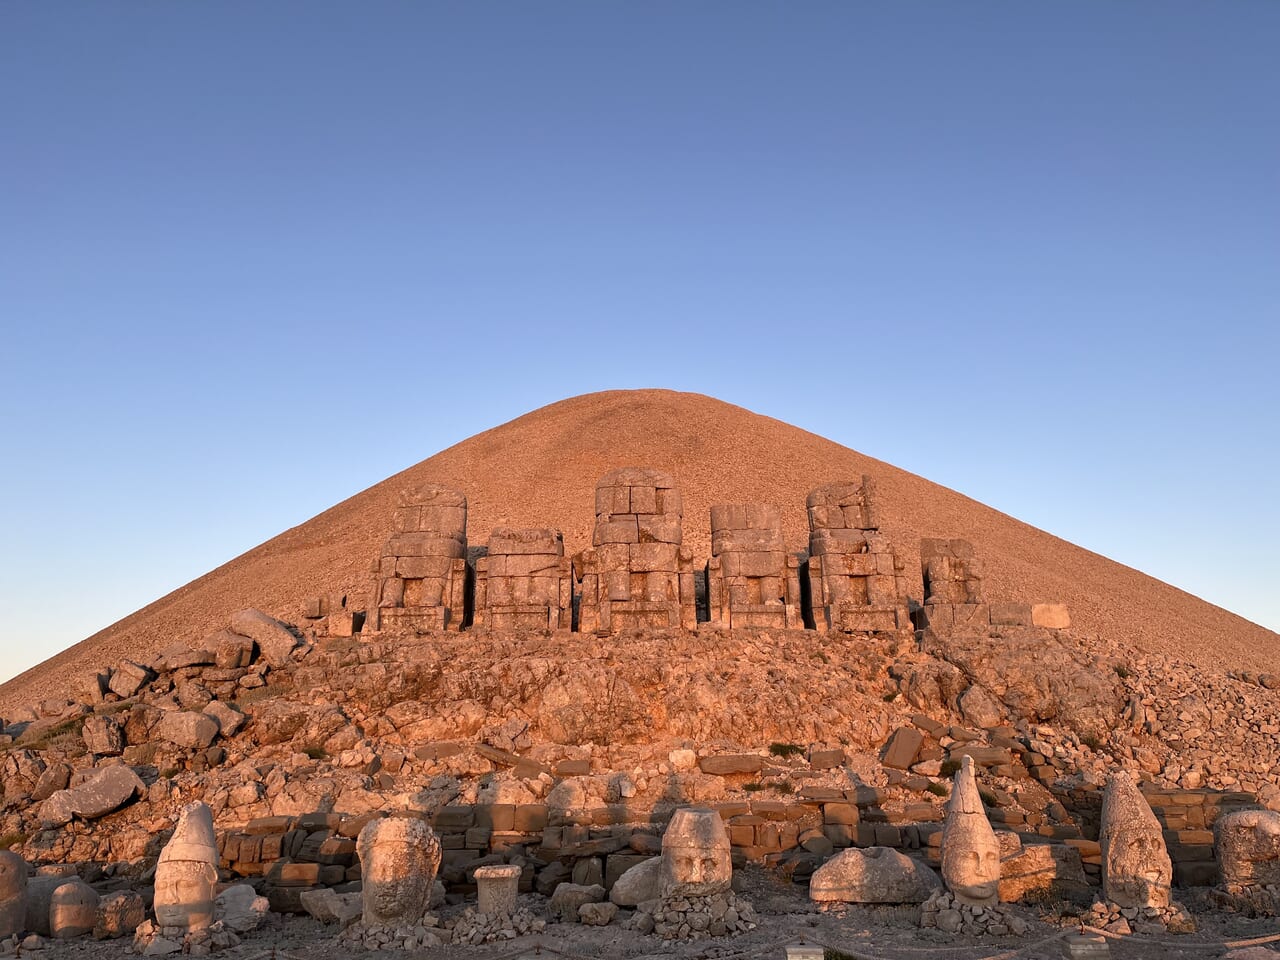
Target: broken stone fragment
107,790
275,640
873,875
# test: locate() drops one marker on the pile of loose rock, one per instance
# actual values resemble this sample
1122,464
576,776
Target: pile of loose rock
943,911
720,915
1113,918
152,940
1252,900
474,927
374,936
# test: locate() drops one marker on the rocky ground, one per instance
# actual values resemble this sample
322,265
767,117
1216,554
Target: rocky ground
787,917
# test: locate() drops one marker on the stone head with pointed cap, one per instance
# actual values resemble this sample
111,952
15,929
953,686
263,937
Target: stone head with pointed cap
399,857
187,873
970,850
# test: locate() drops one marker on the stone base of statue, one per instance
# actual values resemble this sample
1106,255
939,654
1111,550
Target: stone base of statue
153,940
1113,918
473,927
946,912
695,918
427,932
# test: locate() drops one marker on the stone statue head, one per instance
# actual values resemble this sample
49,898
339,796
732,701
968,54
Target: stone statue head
1136,870
187,873
399,857
1248,846
695,855
970,850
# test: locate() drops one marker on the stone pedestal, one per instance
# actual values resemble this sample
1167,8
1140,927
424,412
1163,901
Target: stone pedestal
496,887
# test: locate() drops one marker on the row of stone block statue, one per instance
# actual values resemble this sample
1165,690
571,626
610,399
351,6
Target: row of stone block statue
637,574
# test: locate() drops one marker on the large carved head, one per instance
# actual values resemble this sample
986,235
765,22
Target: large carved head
399,857
970,850
187,873
695,854
1136,870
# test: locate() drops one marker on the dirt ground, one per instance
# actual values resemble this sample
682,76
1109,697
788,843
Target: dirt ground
786,916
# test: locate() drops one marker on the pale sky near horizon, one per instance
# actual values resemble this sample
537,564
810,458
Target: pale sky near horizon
249,252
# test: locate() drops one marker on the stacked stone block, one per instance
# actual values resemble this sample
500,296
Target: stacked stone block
751,580
524,582
422,573
953,595
636,575
856,582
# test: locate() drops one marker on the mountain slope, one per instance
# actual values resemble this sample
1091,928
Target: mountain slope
541,470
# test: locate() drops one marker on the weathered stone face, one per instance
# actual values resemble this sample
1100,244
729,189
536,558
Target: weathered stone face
187,873
13,893
873,875
399,858
970,850
695,855
1136,870
1248,847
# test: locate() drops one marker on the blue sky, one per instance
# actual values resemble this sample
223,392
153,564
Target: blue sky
1044,237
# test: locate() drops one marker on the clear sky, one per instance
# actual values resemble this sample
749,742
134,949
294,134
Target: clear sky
255,257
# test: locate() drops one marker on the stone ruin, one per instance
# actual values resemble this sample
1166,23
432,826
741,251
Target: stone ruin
856,582
636,574
524,581
751,580
422,573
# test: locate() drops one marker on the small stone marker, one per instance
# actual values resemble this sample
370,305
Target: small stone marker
803,951
1087,946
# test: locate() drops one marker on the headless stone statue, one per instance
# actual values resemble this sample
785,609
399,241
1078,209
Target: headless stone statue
695,855
187,873
970,851
399,858
13,893
1136,871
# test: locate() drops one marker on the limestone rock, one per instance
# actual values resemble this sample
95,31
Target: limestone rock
597,914
128,678
1248,847
1043,870
231,650
119,915
638,884
103,736
330,907
873,875
107,790
188,729
240,908
229,719
274,639
1136,870
568,897
73,909
13,893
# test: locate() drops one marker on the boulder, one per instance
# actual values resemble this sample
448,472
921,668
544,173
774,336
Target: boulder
73,909
119,914
56,776
128,678
638,884
330,907
597,914
103,736
902,748
1043,870
187,729
568,897
107,790
231,650
873,875
229,719
275,640
240,908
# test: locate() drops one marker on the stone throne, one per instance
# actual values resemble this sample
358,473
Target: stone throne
751,580
856,582
636,574
422,573
524,582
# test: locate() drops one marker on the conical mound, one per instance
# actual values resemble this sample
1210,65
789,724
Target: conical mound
540,471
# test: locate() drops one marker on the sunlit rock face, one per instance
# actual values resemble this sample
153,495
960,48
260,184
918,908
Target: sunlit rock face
187,873
970,850
1136,870
695,855
13,893
399,857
